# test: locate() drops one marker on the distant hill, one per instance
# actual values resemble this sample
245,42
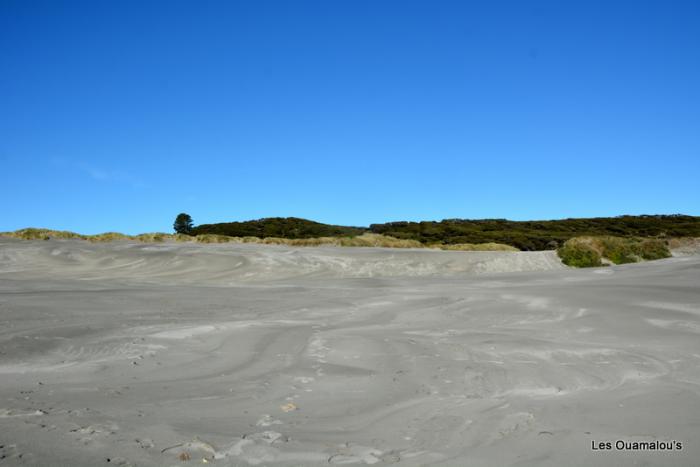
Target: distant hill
524,235
540,235
283,227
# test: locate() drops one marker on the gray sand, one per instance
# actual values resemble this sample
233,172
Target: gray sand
133,354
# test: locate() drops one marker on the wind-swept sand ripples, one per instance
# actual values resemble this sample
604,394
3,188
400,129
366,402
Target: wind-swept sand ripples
260,355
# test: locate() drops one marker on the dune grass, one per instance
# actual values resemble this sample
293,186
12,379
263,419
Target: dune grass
48,234
154,237
108,237
477,247
32,233
585,251
579,254
365,240
593,251
206,238
378,240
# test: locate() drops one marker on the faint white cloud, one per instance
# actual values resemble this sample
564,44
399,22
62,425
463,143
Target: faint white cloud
97,173
112,176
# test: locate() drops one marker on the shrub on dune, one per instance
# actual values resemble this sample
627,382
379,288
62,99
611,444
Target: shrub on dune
651,249
579,254
582,251
619,250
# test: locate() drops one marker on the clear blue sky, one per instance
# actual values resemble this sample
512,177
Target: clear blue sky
117,115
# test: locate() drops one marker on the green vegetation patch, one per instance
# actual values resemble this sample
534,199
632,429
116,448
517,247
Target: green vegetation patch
278,227
579,254
541,235
591,251
651,249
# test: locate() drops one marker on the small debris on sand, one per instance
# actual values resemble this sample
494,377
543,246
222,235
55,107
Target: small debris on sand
289,407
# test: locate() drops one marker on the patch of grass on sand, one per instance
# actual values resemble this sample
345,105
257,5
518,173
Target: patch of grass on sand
32,233
154,237
364,240
477,247
209,238
591,251
178,237
48,234
587,251
108,237
378,240
318,241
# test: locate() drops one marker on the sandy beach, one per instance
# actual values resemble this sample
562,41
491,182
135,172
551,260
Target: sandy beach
179,354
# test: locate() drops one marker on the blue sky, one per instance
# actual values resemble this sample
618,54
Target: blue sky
117,115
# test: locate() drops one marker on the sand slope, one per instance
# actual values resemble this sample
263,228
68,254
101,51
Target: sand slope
229,264
132,354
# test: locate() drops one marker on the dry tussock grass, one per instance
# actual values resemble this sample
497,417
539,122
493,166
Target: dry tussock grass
364,240
377,240
48,234
42,234
477,247
108,237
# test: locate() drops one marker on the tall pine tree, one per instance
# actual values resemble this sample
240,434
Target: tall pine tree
183,223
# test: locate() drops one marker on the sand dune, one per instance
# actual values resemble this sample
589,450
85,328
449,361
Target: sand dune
172,354
228,264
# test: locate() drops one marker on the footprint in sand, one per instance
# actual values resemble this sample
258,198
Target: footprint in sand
268,446
144,443
515,422
267,420
357,454
91,433
10,413
119,461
